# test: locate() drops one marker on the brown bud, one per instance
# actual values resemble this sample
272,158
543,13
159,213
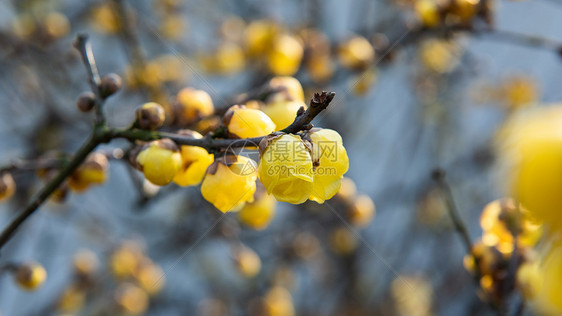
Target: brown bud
110,84
150,116
86,101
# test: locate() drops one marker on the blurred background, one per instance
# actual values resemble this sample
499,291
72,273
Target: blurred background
414,92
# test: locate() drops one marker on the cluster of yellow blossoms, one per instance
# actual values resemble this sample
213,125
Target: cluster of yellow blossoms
292,167
509,233
530,149
433,13
138,280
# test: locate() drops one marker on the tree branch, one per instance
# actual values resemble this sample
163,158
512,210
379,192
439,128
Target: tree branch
48,189
85,49
318,103
439,176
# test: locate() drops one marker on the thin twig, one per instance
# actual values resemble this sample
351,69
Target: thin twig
85,48
302,122
48,189
439,176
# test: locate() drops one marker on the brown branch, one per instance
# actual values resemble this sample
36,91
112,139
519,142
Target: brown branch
439,176
318,103
85,49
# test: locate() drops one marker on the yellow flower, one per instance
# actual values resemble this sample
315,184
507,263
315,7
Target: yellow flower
173,26
465,10
330,161
320,68
85,262
105,19
548,285
347,190
56,24
132,299
30,276
356,53
285,56
195,161
259,213
438,55
245,123
278,302
529,279
92,171
160,161
193,104
72,299
289,88
343,241
7,186
259,36
519,91
428,12
150,277
361,211
230,182
228,58
285,168
247,261
500,217
531,148
283,113
125,260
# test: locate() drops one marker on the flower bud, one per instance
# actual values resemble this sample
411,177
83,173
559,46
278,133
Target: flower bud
110,84
259,213
86,101
330,161
7,186
361,211
289,88
125,260
285,56
258,37
427,12
285,168
131,299
245,123
72,299
150,116
278,302
30,276
247,261
356,53
343,241
92,171
160,161
283,113
347,190
230,182
150,277
195,161
193,104
85,263
501,219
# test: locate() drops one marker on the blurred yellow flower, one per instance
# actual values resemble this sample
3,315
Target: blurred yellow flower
259,213
530,146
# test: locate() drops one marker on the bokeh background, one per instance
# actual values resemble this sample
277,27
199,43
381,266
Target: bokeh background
423,103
